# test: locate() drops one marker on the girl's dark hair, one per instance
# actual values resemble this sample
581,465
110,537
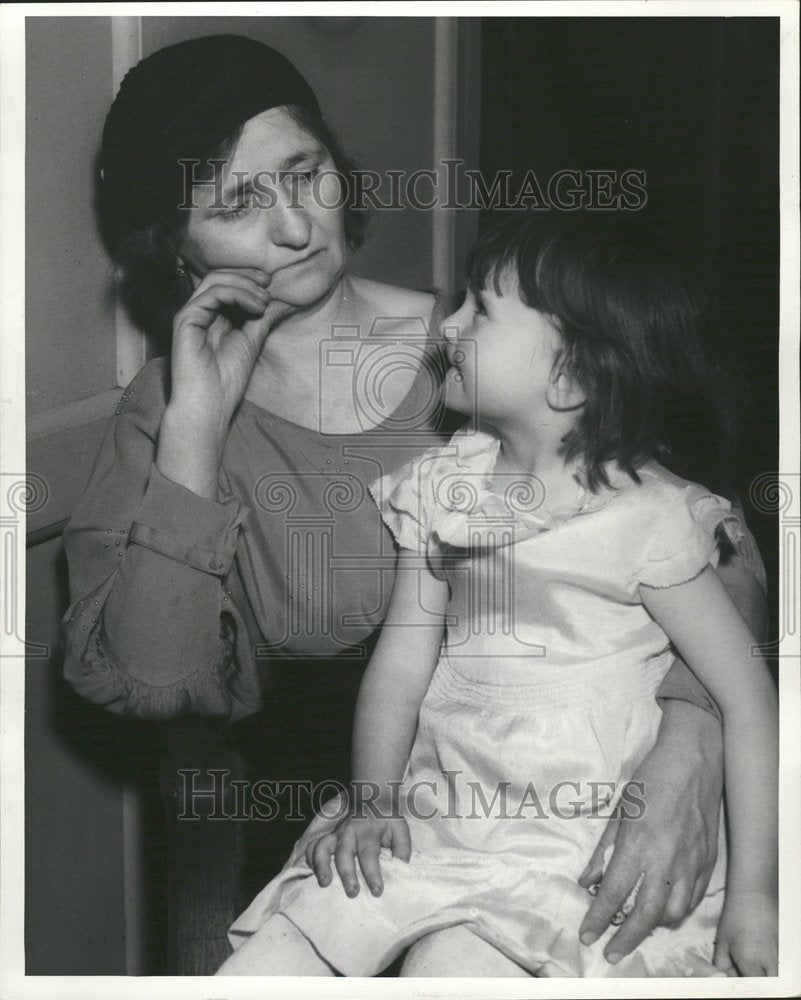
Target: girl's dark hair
637,336
151,286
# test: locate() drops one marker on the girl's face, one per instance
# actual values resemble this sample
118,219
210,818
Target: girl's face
501,355
271,214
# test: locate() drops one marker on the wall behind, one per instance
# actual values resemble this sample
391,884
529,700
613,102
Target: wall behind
70,347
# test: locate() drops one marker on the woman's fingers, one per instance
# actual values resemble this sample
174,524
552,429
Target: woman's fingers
722,959
647,913
681,901
232,275
594,870
205,304
617,884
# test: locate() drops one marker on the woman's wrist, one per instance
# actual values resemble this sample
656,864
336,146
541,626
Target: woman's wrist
685,725
190,451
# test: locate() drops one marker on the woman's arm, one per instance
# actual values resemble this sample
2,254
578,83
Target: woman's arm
385,725
702,621
152,630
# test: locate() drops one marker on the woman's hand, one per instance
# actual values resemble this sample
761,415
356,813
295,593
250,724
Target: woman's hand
674,841
217,338
359,837
747,938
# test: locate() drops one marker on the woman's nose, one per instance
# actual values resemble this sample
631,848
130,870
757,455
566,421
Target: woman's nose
289,223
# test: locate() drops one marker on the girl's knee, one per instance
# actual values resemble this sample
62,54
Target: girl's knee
457,951
277,948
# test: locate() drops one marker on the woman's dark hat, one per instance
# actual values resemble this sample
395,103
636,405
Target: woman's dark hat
180,104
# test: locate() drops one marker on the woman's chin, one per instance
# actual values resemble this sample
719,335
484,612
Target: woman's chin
302,288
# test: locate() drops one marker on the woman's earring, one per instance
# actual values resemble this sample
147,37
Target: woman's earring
181,271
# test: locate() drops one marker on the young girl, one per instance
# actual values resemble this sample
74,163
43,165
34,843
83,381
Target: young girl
548,566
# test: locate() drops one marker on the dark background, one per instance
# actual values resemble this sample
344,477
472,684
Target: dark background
694,102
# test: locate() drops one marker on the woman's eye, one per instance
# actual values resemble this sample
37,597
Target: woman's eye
478,308
233,213
305,176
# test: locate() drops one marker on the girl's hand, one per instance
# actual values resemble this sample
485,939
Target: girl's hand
217,338
747,939
362,837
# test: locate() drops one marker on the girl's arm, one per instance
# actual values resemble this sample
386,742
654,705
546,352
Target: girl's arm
676,841
397,678
742,572
701,620
391,692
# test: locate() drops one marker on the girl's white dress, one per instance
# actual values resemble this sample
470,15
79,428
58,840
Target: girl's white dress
541,706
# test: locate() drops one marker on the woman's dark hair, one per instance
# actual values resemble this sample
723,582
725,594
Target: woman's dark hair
146,256
638,335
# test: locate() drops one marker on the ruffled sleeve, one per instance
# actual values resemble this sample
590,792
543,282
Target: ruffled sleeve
687,538
405,499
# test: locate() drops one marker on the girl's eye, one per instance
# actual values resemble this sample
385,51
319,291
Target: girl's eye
478,308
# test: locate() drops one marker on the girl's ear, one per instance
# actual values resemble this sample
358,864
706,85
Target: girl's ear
564,391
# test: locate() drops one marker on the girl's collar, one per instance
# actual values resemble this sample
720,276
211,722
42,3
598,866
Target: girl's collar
471,502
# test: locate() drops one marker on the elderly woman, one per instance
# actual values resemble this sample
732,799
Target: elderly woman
226,559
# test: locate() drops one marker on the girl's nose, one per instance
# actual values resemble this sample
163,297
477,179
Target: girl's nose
449,327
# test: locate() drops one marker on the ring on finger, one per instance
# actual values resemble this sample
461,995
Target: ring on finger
630,903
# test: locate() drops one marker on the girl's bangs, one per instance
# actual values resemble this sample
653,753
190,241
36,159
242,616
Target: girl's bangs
495,255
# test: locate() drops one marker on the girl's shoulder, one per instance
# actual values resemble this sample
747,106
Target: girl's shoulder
683,525
411,497
663,489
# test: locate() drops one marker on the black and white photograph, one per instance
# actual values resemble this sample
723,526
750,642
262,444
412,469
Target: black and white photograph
400,499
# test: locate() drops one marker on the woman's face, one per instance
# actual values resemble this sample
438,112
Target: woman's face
270,213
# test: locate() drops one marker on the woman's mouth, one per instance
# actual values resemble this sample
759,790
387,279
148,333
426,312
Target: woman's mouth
297,263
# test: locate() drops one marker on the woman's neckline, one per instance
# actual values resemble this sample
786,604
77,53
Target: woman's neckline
303,429
271,417
376,428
